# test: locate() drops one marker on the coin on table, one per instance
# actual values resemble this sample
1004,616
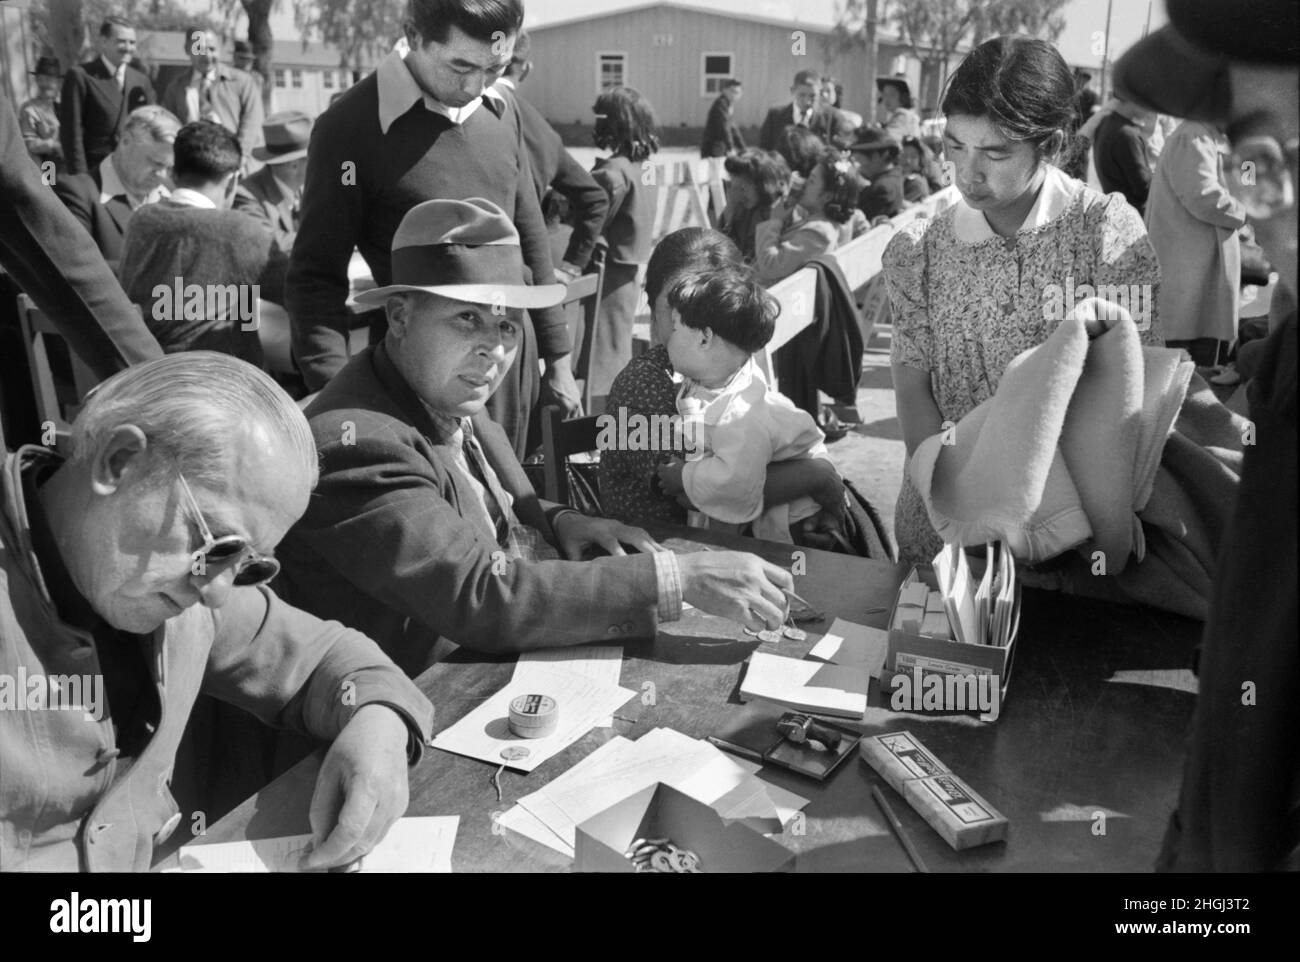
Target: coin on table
514,753
794,634
771,636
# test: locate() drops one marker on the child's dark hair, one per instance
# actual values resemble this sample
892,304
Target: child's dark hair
690,248
841,185
204,153
1023,86
765,169
799,147
625,123
729,301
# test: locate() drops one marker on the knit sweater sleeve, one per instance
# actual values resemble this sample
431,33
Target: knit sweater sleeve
316,288
551,324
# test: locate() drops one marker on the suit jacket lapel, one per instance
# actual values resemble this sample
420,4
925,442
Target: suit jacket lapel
119,212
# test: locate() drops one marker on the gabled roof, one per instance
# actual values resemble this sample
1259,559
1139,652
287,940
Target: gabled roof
168,46
819,15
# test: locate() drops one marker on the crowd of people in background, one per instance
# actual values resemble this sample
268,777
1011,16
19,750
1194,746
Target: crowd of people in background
473,219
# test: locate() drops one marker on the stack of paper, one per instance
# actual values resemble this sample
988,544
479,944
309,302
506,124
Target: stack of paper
958,592
622,767
978,614
411,845
485,733
807,685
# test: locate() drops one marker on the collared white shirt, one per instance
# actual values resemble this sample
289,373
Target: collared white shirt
194,88
1058,190
398,90
111,186
118,72
192,198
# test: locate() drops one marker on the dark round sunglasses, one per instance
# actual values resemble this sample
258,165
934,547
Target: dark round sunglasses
253,568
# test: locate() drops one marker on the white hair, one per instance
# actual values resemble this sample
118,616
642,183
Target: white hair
158,122
190,407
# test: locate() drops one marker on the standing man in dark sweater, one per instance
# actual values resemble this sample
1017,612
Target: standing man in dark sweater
422,127
190,262
97,97
721,135
1119,149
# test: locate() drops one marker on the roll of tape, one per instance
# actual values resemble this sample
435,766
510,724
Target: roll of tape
534,716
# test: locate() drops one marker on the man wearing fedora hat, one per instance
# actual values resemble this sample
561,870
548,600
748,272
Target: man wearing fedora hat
900,119
424,528
1235,66
38,118
876,154
271,195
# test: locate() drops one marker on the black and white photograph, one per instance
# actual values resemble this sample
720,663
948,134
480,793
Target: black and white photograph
585,437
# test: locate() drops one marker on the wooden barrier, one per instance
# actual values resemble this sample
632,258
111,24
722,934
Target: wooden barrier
860,260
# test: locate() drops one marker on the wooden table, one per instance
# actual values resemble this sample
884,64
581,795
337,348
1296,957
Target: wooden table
1094,725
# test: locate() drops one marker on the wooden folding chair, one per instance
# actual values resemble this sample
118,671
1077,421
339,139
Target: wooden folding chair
561,438
582,305
55,407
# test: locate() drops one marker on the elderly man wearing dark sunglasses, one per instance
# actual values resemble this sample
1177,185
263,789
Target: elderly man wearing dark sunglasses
139,565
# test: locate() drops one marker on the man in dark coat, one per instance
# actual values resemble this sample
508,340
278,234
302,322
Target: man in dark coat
721,135
802,111
98,96
1234,65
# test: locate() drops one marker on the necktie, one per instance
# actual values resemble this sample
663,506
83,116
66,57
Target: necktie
495,498
120,76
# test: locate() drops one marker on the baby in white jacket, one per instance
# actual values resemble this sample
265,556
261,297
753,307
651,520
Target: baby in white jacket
733,422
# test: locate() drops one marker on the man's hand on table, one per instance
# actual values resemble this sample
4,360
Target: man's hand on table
576,532
361,790
559,387
736,585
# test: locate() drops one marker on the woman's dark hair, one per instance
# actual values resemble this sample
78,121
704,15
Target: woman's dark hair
935,145
480,19
765,169
1021,84
687,249
800,148
625,123
841,185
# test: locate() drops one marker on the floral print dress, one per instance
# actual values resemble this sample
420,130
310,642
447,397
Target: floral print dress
966,301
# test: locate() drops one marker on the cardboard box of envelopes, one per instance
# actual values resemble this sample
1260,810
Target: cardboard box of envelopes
929,667
948,804
662,812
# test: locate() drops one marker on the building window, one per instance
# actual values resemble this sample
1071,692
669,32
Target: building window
327,79
297,79
611,70
345,79
717,67
279,79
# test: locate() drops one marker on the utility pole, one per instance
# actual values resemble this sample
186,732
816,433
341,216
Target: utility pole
1105,53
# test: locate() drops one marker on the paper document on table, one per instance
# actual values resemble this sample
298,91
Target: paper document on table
807,685
621,767
417,844
846,643
602,663
484,733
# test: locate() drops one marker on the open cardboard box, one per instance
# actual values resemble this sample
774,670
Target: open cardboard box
661,811
912,656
